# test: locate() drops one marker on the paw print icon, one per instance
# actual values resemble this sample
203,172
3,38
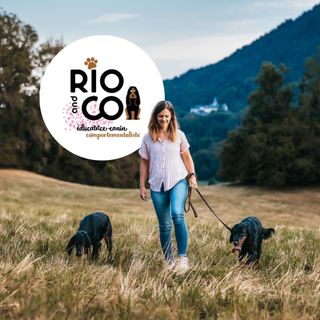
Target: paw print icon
91,63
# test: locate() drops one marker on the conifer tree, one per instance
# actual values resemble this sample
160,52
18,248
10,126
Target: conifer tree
308,140
261,150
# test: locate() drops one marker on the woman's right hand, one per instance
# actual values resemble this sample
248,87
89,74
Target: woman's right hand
143,193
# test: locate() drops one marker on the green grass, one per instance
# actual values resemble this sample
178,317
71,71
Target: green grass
38,216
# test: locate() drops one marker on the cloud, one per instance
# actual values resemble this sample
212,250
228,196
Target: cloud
215,47
297,4
176,57
113,18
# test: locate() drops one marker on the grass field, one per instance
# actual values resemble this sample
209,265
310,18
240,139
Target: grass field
37,281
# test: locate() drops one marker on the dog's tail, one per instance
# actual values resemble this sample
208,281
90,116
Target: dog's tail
267,233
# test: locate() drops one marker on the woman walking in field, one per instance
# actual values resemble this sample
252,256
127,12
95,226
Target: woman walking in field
166,161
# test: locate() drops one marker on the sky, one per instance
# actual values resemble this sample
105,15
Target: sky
177,34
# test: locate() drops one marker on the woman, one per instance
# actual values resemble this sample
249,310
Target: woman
166,161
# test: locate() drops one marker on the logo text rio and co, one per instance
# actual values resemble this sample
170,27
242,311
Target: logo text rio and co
91,102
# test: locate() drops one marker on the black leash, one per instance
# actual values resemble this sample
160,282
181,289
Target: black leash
194,210
188,199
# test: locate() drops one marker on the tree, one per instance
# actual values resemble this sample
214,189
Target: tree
308,141
16,64
24,140
261,151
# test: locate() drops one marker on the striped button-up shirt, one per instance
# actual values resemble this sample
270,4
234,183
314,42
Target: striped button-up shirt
165,163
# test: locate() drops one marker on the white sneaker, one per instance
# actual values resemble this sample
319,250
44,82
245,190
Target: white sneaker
182,265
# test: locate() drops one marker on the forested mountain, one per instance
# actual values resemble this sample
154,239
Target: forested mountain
277,144
232,79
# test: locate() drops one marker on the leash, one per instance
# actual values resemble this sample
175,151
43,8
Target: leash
188,201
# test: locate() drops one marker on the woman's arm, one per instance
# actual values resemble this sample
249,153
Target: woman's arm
144,172
188,162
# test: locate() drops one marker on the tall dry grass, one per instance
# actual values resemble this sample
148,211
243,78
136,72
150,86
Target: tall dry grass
38,215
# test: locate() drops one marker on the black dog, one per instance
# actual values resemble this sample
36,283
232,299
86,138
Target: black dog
92,229
247,237
133,104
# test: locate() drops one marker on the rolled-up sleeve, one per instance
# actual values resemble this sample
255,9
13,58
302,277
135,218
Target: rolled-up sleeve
143,151
184,144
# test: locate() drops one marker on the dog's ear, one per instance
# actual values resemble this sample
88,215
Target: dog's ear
86,241
127,96
245,230
138,97
71,245
230,239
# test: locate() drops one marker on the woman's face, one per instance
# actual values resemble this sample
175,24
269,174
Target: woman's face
163,118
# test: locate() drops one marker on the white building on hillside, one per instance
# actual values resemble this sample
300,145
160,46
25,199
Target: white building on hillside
204,110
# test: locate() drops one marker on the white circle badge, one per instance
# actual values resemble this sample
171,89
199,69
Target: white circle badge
97,95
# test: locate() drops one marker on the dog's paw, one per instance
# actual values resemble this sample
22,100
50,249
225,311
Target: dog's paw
91,63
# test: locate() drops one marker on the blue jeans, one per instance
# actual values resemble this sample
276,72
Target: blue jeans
169,206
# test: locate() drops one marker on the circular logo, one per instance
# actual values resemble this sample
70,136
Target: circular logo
97,95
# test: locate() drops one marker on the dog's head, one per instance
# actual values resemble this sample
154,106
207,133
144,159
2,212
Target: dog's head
80,242
133,95
239,233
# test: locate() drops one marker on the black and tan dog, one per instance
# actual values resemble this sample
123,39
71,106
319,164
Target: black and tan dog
92,229
133,104
247,237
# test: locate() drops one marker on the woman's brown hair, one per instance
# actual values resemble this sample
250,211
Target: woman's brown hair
154,128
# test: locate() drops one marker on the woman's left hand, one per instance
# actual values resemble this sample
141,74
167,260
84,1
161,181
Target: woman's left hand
193,182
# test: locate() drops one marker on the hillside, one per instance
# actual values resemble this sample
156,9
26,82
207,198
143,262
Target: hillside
40,214
32,193
232,79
